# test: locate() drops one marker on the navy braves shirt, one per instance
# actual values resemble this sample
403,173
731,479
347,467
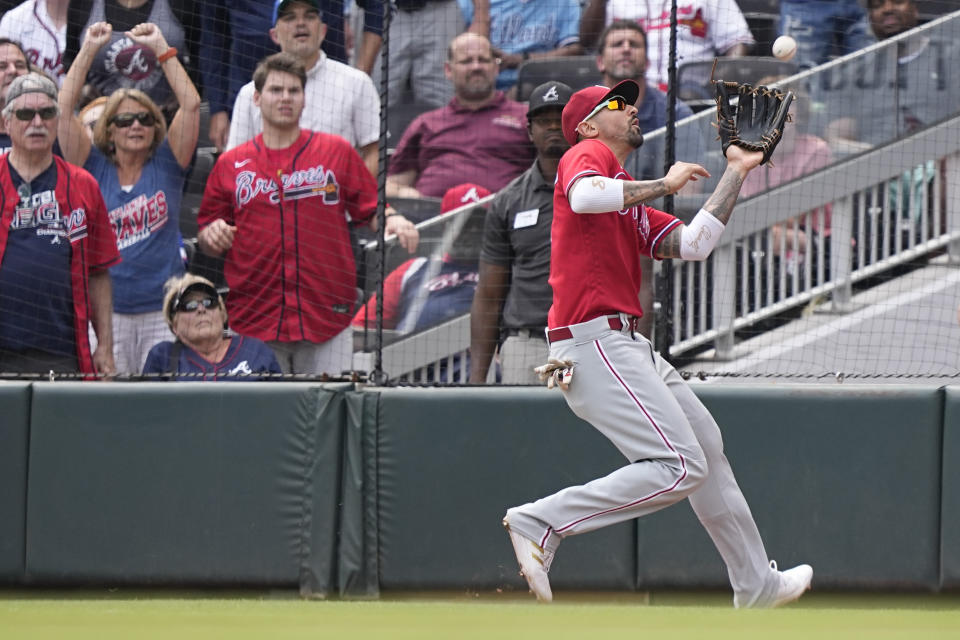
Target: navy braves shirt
246,359
36,300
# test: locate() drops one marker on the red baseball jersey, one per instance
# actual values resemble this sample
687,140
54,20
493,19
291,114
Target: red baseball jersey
291,269
595,264
86,226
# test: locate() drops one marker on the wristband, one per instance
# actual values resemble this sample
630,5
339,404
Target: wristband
392,213
166,55
698,238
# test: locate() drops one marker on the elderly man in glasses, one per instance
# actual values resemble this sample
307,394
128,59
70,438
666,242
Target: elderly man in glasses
204,349
610,375
55,246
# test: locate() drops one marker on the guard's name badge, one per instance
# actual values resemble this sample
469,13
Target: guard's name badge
525,218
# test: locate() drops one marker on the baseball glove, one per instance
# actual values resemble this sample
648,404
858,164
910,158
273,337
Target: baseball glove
755,120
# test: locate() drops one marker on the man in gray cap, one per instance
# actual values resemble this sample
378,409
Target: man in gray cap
513,295
55,246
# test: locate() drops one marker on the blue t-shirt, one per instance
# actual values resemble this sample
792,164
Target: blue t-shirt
532,26
246,359
36,298
146,221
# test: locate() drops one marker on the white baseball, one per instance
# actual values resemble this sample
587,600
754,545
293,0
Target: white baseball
784,48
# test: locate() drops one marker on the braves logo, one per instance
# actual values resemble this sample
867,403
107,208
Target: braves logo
136,63
303,183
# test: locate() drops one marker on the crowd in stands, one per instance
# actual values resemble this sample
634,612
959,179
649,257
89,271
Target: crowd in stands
105,104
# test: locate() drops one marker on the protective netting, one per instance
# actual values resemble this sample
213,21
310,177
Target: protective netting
839,262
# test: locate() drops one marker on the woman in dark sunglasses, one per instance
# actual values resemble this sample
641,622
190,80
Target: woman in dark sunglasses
203,349
141,167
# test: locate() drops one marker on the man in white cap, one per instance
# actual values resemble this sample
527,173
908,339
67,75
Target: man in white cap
55,246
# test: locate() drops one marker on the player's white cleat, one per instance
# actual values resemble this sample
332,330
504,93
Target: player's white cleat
534,563
793,582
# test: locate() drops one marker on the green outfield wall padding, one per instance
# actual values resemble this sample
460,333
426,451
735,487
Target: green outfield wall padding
320,472
186,483
451,461
14,430
846,479
950,504
358,553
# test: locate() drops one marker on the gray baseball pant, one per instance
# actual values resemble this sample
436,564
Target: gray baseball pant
673,447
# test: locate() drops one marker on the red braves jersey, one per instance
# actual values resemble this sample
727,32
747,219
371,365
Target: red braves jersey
86,226
595,264
290,270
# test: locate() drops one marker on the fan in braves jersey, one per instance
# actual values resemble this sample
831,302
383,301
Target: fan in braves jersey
610,375
423,292
276,207
55,246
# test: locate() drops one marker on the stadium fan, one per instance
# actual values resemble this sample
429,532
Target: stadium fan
705,29
339,99
278,208
41,27
141,167
55,246
478,137
203,350
423,292
123,63
528,30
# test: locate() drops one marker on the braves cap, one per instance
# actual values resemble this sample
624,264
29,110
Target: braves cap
200,285
548,94
461,195
279,6
583,102
31,83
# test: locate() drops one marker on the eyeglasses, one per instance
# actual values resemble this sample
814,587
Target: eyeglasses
124,120
192,305
26,115
616,103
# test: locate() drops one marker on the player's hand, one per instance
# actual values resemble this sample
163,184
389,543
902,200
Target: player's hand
406,232
149,35
103,362
683,172
220,130
217,237
98,34
743,160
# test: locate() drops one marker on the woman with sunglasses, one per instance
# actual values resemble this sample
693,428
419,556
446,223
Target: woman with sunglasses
195,313
141,167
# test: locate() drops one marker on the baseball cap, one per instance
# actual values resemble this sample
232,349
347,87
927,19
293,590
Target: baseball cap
31,83
548,94
200,285
583,102
279,6
462,194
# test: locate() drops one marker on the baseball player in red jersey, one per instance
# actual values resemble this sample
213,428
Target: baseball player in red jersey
276,207
611,376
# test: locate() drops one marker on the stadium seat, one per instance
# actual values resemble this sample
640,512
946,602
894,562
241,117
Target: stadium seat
576,71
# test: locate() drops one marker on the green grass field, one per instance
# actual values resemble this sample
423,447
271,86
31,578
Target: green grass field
139,614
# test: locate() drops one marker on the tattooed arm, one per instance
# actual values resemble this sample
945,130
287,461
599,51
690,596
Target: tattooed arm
599,194
637,191
696,240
